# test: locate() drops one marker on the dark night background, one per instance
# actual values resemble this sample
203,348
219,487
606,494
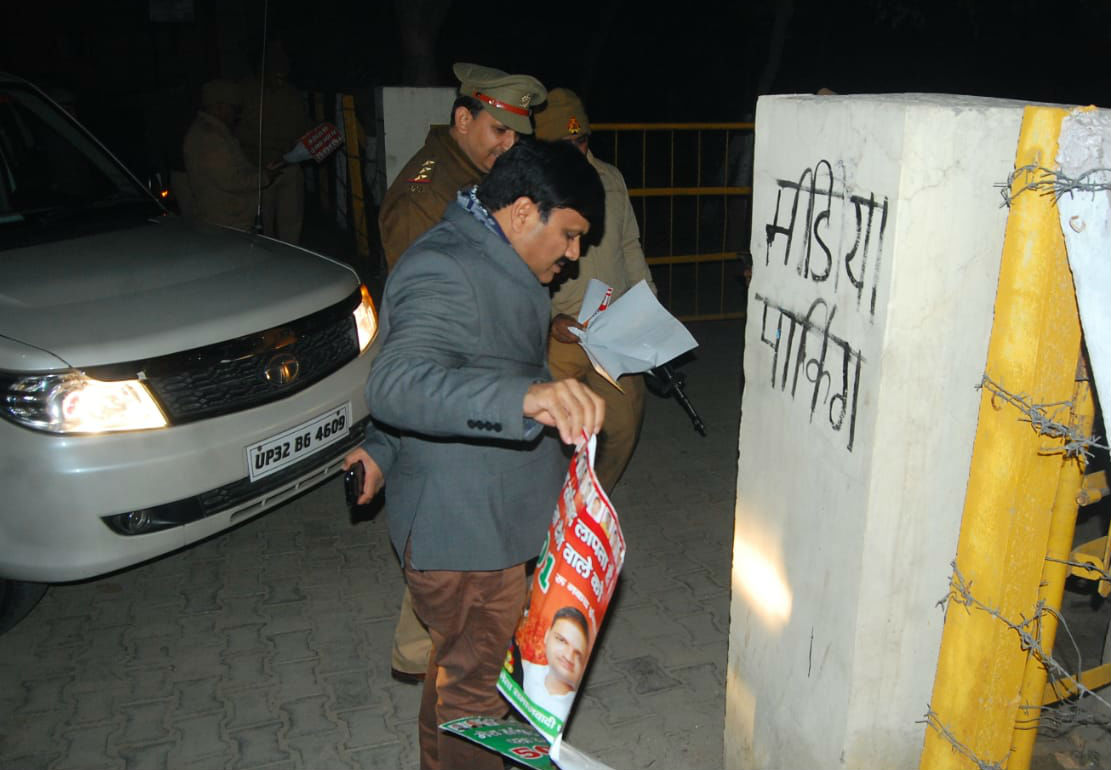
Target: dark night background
136,80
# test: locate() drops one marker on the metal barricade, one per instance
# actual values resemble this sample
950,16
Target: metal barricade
691,187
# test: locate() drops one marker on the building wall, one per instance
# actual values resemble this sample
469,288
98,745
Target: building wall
404,114
877,232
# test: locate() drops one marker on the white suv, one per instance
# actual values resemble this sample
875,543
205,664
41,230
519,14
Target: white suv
159,382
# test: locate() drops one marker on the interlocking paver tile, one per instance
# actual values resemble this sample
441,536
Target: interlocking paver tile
700,627
646,675
246,638
245,671
145,682
308,715
144,722
36,761
43,694
201,660
153,650
92,706
202,599
243,583
197,696
352,689
249,708
291,646
236,611
297,679
319,751
29,733
379,757
150,757
87,747
343,655
259,747
701,584
700,679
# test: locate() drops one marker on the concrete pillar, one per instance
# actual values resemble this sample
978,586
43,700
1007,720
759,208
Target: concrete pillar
877,232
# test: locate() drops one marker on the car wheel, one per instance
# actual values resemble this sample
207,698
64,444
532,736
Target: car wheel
16,600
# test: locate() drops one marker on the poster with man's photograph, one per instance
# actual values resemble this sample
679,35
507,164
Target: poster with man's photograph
571,588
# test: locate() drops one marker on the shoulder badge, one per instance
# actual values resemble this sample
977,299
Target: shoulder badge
424,176
573,126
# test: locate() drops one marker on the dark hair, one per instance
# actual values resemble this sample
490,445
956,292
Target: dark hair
553,175
572,614
474,106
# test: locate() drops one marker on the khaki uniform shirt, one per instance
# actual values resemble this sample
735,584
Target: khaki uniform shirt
423,190
618,260
286,120
223,180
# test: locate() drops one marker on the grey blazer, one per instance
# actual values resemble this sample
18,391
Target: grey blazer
471,483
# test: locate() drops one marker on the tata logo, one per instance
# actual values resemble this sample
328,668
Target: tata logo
282,369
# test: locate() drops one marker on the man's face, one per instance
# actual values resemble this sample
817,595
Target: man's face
580,141
482,137
565,646
229,114
545,246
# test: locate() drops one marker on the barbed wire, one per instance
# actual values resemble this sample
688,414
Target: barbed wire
1047,181
1104,574
934,721
1076,442
1029,633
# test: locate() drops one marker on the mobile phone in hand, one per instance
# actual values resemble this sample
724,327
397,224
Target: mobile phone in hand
353,483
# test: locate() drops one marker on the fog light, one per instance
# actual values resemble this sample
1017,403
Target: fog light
135,522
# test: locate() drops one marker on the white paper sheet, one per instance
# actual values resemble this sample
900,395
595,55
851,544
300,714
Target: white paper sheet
633,334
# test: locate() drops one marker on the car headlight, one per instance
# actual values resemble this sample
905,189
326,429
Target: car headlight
75,403
366,319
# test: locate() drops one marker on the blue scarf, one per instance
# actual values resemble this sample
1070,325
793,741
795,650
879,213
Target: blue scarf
468,199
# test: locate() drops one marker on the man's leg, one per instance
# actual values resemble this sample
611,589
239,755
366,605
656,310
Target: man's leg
624,411
624,415
290,204
470,617
412,646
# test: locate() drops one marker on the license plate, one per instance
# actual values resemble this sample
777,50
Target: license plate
283,450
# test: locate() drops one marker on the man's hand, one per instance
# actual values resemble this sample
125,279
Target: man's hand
272,171
568,405
372,480
560,327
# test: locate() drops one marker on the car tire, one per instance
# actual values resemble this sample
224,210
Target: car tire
17,598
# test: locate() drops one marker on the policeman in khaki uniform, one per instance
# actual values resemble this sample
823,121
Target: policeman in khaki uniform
616,260
285,120
492,108
224,182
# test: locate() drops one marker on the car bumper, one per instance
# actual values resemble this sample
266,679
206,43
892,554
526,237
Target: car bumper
51,519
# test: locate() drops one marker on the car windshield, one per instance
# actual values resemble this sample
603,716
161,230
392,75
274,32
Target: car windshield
56,182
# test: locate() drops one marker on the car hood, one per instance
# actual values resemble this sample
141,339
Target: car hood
158,288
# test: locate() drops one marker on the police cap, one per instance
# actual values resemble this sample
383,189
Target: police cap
508,98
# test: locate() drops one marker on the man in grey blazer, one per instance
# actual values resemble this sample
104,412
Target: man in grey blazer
461,395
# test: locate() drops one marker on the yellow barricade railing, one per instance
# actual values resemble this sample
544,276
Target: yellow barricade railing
690,184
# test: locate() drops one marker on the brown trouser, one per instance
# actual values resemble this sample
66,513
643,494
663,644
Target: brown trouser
624,411
470,617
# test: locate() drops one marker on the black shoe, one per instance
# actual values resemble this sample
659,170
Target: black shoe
405,677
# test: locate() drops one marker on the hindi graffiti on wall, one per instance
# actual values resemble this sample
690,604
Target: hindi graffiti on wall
831,239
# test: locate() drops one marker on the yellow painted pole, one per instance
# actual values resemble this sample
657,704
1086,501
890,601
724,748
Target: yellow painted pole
1055,571
355,176
1013,482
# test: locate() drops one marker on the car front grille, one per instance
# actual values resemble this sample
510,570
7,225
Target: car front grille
252,370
